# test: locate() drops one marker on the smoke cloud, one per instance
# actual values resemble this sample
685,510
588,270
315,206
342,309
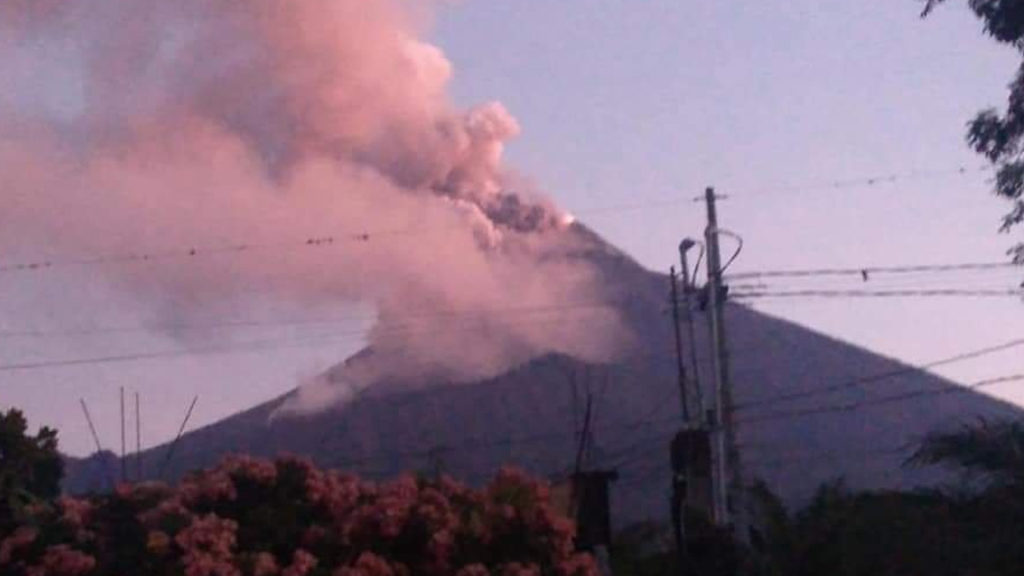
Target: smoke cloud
143,125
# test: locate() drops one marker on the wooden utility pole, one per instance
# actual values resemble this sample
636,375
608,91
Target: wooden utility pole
727,481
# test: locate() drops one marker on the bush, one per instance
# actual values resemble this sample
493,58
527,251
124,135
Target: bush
287,518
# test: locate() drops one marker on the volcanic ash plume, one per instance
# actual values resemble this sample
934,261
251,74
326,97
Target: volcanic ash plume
155,125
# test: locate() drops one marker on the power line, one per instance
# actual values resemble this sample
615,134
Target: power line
478,443
882,376
864,454
853,406
294,322
873,270
868,181
336,238
140,356
626,455
871,181
905,293
258,345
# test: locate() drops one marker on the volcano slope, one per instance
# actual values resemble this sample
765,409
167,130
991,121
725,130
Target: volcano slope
809,409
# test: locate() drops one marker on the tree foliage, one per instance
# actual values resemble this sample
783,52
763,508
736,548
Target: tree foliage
287,518
30,466
895,533
992,449
999,136
936,532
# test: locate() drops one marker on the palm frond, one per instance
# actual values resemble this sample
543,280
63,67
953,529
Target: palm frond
991,448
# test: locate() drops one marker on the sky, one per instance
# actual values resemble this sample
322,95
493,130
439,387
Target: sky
628,110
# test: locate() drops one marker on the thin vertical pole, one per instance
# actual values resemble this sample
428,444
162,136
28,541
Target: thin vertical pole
92,428
174,445
138,440
96,439
124,461
584,436
723,397
680,367
691,331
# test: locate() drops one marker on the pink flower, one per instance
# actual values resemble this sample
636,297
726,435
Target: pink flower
440,547
74,512
384,518
337,493
246,467
61,560
21,537
207,545
302,563
208,486
264,564
368,564
435,509
169,508
451,488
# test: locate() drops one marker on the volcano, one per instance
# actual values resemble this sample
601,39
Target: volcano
809,409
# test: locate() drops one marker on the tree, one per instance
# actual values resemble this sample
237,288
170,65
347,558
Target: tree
249,517
992,449
30,466
1000,136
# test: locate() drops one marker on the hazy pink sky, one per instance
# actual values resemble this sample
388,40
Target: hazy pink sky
637,103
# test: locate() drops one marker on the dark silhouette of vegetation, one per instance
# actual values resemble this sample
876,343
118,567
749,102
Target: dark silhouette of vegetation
1000,136
972,529
648,549
289,518
977,531
992,450
30,467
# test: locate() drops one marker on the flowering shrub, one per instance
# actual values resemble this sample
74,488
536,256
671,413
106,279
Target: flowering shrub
250,517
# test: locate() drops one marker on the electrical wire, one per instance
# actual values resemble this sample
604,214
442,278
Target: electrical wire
907,293
853,406
450,314
367,236
872,270
882,376
865,454
869,181
736,254
246,347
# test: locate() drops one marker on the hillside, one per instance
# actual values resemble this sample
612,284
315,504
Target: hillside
526,416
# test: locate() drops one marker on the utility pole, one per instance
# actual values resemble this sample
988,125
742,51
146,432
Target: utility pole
727,480
684,247
680,367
